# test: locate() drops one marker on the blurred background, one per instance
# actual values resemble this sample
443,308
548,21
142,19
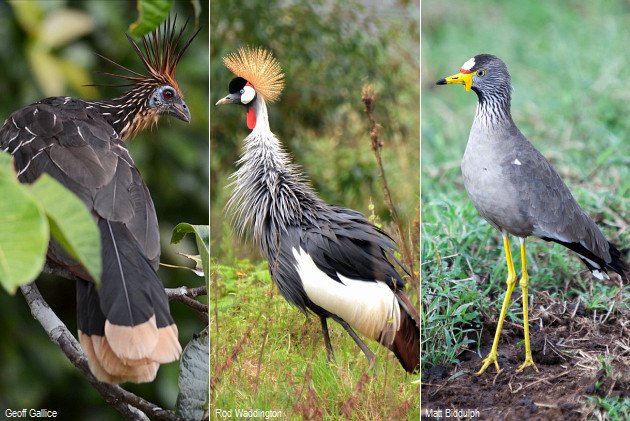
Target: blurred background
568,62
328,51
50,48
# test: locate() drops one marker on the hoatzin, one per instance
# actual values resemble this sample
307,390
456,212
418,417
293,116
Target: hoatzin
325,259
125,326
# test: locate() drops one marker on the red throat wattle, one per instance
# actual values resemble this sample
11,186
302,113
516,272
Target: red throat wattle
251,118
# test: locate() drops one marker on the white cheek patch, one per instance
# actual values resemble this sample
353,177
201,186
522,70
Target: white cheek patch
469,64
248,94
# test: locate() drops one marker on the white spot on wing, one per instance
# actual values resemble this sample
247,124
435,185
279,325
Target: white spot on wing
469,64
370,307
516,162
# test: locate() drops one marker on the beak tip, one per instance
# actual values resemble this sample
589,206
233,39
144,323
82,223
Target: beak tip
441,82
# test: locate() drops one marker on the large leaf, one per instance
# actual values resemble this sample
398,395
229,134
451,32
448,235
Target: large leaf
202,237
192,401
71,225
151,14
23,231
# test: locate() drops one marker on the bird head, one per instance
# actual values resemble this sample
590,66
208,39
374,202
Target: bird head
241,92
258,75
166,100
484,73
155,92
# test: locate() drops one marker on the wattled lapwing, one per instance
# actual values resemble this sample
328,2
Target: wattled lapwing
517,190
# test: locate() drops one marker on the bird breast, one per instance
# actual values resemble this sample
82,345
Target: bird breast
486,167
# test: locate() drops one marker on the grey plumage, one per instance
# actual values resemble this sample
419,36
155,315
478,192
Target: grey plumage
513,186
318,253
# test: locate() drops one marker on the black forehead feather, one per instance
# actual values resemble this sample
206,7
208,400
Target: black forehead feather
483,60
236,84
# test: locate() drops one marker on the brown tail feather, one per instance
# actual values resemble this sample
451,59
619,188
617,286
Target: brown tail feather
406,344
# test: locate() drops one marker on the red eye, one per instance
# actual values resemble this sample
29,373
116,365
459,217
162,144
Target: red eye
168,94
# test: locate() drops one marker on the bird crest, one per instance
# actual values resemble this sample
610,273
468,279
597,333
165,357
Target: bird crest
260,68
160,52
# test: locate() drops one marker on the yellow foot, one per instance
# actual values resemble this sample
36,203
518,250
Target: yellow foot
528,362
491,358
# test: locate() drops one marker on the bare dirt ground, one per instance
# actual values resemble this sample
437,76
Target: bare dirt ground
568,344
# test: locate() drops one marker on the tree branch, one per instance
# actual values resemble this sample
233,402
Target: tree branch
130,406
187,296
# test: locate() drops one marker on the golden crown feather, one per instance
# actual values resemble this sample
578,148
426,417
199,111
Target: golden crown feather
260,68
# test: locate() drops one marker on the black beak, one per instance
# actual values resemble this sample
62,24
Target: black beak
441,82
230,99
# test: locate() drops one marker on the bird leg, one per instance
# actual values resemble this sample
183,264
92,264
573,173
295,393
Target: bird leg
329,352
511,282
368,354
523,282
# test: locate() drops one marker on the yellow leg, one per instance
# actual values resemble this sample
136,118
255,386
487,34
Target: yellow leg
523,282
511,282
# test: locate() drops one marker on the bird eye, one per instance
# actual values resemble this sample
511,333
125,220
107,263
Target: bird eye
242,91
481,72
168,93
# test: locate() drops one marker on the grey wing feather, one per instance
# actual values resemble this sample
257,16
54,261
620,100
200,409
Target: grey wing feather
548,203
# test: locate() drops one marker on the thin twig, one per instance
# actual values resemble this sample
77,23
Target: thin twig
130,406
187,296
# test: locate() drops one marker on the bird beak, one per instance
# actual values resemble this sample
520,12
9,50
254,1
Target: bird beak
230,99
180,111
460,78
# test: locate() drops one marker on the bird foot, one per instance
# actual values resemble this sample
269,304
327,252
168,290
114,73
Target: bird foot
528,362
491,358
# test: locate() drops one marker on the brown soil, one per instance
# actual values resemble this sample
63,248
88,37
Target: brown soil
566,343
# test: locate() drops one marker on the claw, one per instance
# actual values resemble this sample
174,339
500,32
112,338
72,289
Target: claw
527,363
491,358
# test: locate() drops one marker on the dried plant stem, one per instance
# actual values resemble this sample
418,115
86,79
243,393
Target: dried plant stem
369,100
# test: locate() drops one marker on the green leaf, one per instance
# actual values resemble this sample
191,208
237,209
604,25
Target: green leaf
192,401
150,14
23,231
71,225
202,237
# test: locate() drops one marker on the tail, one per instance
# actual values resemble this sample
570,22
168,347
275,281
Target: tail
618,263
598,266
406,343
125,327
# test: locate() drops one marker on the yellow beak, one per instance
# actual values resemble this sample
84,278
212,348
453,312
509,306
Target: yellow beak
460,78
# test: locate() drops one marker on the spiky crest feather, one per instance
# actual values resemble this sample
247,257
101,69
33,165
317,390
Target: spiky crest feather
260,68
160,54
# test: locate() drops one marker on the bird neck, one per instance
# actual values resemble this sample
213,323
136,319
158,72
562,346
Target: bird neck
259,106
268,191
493,110
128,114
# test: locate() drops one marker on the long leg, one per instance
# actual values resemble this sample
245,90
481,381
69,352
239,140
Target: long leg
511,282
329,352
368,354
524,282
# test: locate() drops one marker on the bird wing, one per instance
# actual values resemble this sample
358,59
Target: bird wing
69,140
341,243
549,205
344,242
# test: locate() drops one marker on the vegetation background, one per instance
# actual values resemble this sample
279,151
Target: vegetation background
264,353
49,48
568,63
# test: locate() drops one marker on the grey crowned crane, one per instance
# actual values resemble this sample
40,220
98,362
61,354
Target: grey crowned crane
325,259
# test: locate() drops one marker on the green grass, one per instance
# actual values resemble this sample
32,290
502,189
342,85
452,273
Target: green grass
568,65
267,355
